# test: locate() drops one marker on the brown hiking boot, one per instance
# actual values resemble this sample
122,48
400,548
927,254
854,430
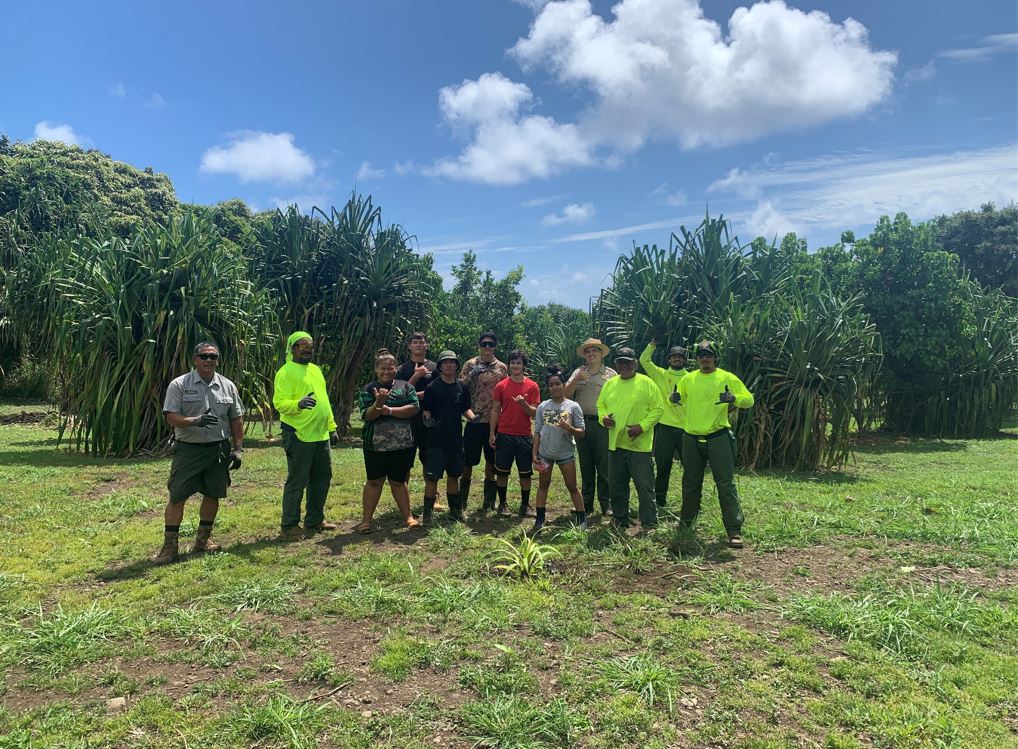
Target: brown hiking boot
203,543
168,554
310,531
296,533
735,541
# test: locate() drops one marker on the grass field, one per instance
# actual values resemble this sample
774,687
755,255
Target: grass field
872,608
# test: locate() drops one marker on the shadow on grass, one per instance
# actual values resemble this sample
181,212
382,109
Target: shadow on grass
140,567
831,478
880,445
60,457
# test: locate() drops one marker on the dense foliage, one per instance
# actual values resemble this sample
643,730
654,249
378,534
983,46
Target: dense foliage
106,280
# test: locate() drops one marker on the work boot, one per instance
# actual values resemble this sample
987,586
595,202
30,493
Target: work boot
170,551
455,508
295,533
429,510
203,542
490,492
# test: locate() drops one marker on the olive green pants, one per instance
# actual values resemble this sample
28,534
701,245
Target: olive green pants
592,455
308,467
667,447
624,465
720,453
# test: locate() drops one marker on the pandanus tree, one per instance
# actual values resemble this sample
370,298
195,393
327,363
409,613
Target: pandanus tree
347,279
804,353
120,317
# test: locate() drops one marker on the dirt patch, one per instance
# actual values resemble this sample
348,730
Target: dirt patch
108,485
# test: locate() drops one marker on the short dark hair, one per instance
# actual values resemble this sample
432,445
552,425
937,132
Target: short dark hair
554,370
490,335
517,354
417,336
205,344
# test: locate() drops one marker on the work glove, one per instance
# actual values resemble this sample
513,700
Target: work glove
478,369
308,401
207,419
235,459
675,397
726,397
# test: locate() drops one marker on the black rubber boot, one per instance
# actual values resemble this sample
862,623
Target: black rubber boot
429,509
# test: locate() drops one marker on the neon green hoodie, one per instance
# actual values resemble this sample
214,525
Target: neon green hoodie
667,381
699,391
633,401
294,381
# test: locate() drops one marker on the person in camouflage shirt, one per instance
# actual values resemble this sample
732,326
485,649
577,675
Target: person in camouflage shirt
480,374
387,405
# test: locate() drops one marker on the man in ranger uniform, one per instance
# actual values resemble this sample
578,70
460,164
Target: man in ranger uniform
707,393
307,426
668,432
206,414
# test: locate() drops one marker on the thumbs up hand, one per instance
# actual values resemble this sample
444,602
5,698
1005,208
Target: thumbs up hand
726,397
675,397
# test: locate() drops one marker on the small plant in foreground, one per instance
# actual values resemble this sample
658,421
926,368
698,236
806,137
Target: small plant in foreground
507,675
322,670
256,595
510,722
651,680
721,592
527,560
281,720
58,640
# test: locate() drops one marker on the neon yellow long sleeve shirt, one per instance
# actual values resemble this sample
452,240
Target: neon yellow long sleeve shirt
667,381
293,382
700,392
633,401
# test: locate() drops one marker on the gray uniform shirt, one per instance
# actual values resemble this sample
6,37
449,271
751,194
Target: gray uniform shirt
556,443
190,395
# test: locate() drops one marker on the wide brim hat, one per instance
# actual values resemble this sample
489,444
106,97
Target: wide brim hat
446,355
592,342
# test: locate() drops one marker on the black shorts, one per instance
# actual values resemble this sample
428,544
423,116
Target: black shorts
443,460
203,468
509,447
420,442
475,441
391,464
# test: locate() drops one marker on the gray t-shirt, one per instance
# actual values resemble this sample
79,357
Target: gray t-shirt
190,395
557,443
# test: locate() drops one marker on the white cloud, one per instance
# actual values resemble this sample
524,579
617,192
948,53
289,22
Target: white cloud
536,202
674,199
507,147
847,191
155,101
366,172
403,167
117,91
304,203
254,156
990,45
660,67
259,157
574,213
668,223
922,73
59,132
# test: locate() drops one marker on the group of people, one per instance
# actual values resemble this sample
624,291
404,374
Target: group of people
622,427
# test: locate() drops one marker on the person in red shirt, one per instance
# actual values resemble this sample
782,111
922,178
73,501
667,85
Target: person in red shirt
514,403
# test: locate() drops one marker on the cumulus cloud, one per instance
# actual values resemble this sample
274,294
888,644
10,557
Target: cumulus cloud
117,91
921,73
366,172
155,101
574,213
507,147
403,167
674,198
254,156
853,190
59,132
661,69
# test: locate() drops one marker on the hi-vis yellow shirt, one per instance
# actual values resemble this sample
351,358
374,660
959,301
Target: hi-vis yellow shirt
667,381
699,391
633,401
293,382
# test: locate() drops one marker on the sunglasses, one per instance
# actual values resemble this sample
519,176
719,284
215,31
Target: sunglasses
488,344
702,354
208,357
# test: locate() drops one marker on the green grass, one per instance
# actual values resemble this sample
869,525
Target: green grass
872,608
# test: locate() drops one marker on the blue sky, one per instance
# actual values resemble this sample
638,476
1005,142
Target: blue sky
551,135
